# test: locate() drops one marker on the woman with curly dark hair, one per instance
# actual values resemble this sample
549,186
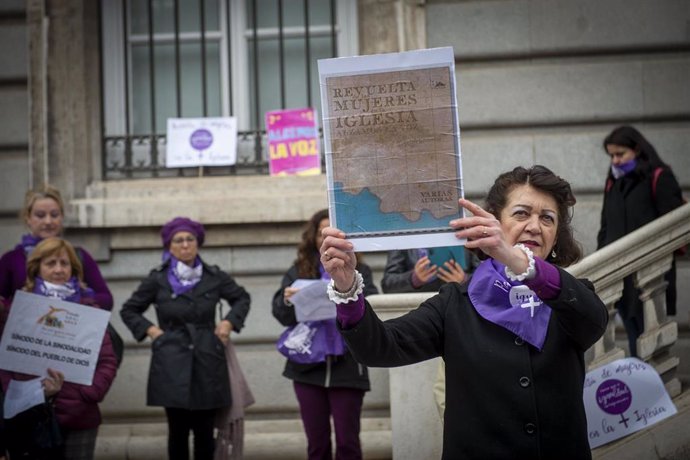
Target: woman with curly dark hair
334,384
513,337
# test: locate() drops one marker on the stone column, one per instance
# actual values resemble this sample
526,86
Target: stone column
659,334
417,430
605,349
64,94
388,26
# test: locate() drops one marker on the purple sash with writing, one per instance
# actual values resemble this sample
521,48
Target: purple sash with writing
509,304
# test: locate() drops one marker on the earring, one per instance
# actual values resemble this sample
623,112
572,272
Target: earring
553,253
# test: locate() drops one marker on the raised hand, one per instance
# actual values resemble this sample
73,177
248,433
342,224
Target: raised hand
482,230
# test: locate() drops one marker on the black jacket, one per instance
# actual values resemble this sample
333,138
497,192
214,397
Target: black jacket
337,371
628,205
188,367
504,398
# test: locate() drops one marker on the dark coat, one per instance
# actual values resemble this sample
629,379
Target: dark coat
505,399
628,205
188,368
337,371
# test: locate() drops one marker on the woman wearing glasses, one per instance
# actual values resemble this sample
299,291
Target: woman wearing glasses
188,374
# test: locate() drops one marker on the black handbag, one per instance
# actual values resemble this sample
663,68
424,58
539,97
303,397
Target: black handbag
118,343
34,433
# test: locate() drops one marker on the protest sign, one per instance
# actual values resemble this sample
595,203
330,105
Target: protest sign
201,142
623,397
311,302
293,142
392,148
45,332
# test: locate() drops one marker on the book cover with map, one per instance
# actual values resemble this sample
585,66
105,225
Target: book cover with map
392,148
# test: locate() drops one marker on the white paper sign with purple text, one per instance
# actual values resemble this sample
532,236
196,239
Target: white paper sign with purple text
45,332
201,142
623,397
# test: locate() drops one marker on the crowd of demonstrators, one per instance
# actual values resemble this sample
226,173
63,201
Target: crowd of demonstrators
528,355
44,214
333,383
529,360
640,187
188,374
54,270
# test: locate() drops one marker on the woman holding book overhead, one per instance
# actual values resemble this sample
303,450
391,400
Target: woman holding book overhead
513,337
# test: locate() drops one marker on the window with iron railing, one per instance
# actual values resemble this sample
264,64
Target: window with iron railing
207,58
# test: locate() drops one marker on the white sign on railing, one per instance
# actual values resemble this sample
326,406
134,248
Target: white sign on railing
201,142
623,397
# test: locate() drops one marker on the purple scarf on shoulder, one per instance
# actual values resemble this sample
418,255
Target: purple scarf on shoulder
509,304
29,242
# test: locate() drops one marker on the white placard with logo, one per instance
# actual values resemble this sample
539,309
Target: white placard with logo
201,142
45,332
623,397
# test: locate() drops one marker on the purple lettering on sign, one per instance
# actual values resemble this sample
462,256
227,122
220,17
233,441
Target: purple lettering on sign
614,397
201,139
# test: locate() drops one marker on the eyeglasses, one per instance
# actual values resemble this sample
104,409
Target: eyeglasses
183,239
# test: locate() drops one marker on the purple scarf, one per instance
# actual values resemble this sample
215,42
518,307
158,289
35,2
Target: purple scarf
71,291
181,284
509,304
29,242
625,168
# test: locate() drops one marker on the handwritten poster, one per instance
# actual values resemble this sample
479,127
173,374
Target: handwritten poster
201,142
293,142
45,332
623,397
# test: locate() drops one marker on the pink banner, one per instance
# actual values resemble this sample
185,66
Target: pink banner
293,142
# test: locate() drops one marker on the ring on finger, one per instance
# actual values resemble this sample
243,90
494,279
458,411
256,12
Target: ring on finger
485,233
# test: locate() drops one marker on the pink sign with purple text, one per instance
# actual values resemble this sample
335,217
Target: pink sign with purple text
293,142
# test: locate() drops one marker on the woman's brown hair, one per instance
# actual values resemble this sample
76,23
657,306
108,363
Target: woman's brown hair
47,248
567,249
307,253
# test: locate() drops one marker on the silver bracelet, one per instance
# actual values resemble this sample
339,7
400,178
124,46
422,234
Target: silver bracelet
349,296
529,272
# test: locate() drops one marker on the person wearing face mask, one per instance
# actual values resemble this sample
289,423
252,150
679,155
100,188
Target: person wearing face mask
54,270
639,188
43,213
188,375
513,337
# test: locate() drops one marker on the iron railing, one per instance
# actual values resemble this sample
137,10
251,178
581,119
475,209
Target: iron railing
128,155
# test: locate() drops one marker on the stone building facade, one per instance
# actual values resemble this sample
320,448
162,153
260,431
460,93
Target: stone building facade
539,81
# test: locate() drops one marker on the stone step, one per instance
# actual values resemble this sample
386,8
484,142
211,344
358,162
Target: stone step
264,440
